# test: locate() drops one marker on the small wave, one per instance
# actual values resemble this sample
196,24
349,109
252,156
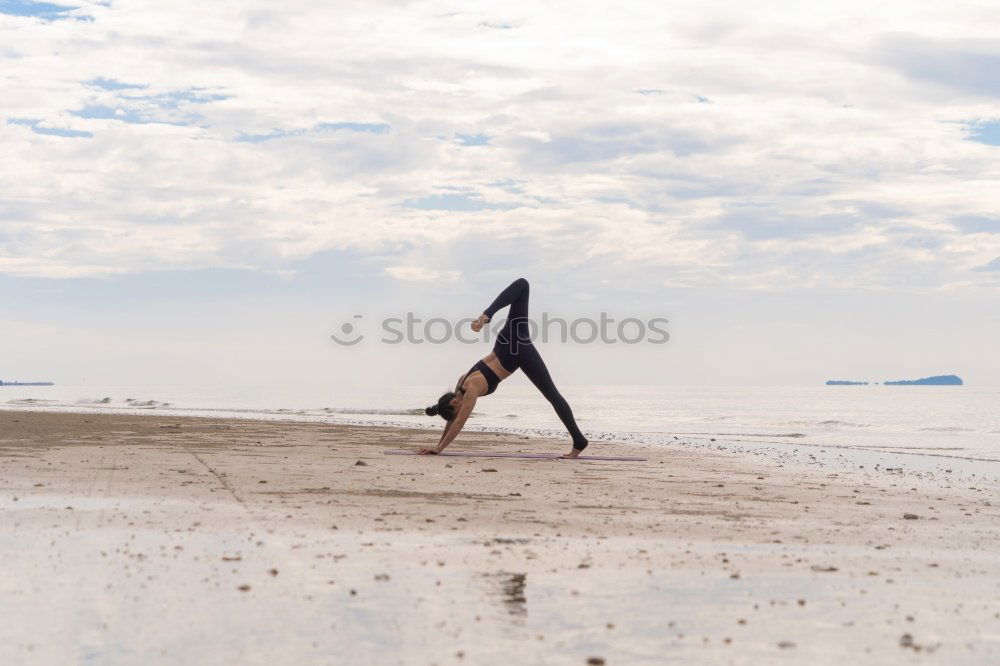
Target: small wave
793,435
29,401
91,401
947,429
372,410
132,402
834,422
827,423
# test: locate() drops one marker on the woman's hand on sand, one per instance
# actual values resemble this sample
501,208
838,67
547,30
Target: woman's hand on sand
478,324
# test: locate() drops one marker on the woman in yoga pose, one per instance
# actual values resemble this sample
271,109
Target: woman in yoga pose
513,350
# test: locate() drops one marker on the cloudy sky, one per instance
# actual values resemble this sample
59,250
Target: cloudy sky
209,189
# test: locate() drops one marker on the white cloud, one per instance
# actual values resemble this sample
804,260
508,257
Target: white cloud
419,274
786,144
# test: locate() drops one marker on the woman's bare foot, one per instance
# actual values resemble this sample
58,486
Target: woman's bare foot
480,322
573,453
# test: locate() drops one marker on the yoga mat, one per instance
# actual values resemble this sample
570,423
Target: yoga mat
490,454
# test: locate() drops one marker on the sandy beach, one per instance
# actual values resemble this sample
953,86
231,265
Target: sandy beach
157,539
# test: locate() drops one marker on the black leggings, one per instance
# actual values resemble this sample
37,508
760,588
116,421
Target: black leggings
515,350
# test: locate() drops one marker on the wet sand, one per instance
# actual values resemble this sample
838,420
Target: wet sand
128,538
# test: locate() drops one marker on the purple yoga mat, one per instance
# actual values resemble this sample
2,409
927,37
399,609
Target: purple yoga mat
490,454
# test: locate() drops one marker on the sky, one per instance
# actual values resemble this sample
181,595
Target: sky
206,192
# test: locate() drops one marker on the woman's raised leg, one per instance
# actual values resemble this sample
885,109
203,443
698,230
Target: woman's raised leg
516,296
516,331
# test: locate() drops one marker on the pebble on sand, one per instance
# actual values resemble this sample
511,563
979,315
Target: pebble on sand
361,463
910,516
595,661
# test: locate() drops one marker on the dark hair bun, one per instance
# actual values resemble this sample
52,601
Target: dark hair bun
432,410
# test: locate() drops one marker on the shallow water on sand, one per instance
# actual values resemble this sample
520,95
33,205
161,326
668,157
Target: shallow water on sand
122,593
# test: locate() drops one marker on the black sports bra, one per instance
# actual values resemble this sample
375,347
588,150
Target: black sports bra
491,377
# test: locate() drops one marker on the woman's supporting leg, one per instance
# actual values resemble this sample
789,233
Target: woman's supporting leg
534,368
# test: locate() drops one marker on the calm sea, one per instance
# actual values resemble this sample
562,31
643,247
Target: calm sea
937,423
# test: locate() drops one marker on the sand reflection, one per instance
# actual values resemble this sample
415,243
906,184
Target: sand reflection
510,589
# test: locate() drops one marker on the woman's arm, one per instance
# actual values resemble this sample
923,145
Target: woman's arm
449,426
447,429
454,426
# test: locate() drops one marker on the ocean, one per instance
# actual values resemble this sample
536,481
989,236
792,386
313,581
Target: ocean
921,427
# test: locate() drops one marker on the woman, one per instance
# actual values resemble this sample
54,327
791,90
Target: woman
513,350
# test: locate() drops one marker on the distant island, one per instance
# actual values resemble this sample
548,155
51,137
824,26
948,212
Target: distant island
937,380
3,383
